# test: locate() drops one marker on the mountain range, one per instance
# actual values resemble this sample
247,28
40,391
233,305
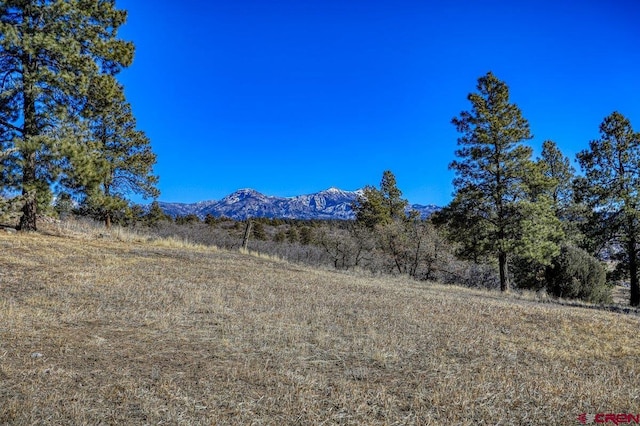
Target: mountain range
330,204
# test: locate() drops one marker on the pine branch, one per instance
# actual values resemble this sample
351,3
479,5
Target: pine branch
7,152
10,126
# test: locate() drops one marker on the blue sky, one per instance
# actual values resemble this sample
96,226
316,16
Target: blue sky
295,96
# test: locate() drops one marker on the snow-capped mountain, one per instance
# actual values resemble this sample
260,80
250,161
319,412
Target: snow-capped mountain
329,204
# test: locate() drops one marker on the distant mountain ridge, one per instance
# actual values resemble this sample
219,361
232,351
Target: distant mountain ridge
330,204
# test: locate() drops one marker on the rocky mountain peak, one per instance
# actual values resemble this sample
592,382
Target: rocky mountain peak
331,203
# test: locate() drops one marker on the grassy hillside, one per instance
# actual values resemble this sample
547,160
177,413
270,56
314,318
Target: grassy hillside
100,331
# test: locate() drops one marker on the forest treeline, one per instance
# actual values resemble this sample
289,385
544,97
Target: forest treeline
535,219
69,144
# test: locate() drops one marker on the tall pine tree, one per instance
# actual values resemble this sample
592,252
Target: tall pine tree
491,170
49,52
123,151
557,168
560,178
611,188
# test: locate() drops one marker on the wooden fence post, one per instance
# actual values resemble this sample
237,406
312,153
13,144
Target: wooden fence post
247,233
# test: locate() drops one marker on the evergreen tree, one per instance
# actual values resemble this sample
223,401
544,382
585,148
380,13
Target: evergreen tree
458,222
490,175
63,205
259,233
557,168
6,157
134,215
210,219
49,52
280,236
577,274
7,150
124,151
7,205
611,188
395,205
370,209
292,235
382,224
187,219
155,215
380,206
537,240
560,177
306,235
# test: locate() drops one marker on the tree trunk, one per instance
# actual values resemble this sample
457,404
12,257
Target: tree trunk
30,130
29,211
504,271
107,221
634,300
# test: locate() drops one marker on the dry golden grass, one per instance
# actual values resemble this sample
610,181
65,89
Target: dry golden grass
100,331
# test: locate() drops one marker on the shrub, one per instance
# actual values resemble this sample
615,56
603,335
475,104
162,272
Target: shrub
292,235
528,274
470,274
575,274
259,232
306,235
187,219
280,237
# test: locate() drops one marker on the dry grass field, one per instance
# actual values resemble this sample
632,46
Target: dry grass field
99,331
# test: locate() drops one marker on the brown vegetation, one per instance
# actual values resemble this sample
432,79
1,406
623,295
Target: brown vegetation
100,331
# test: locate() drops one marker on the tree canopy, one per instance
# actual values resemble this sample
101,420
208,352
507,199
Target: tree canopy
50,51
491,169
380,206
125,159
611,189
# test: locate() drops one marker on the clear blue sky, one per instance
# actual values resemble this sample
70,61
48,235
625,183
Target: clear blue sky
294,96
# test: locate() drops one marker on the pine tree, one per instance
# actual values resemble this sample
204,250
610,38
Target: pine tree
558,169
155,215
63,205
293,236
124,151
395,205
380,206
560,178
210,219
490,175
382,224
7,150
611,188
5,169
458,222
306,235
259,233
49,52
370,209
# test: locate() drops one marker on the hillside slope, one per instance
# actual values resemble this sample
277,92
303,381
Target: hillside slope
100,331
